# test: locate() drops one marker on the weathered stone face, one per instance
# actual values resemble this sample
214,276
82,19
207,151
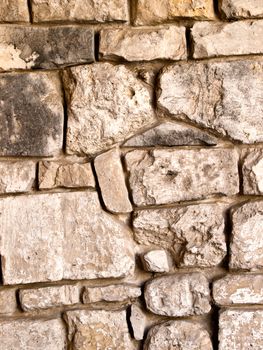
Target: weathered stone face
8,303
156,261
14,11
178,295
164,177
241,8
106,105
138,322
252,170
31,115
17,176
223,96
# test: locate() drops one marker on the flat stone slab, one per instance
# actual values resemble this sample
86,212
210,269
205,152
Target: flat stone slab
14,11
241,8
17,176
110,293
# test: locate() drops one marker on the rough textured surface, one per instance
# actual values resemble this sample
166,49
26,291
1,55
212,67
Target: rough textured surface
17,176
238,289
178,295
217,39
156,261
56,174
66,235
30,126
112,182
241,8
138,322
111,293
246,249
111,95
224,96
43,47
240,330
33,334
99,330
144,44
252,170
163,176
79,10
183,335
8,303
14,11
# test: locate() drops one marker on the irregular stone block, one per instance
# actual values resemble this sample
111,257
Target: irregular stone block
46,297
241,8
156,261
241,330
178,295
246,249
135,44
238,289
99,330
171,134
102,112
112,293
17,176
80,11
14,11
64,235
223,96
8,303
252,170
31,115
55,174
42,47
217,39
156,11
33,334
138,322
167,176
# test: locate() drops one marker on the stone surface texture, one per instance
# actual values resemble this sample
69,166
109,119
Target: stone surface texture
241,8
14,11
252,170
156,261
17,176
138,322
111,293
8,303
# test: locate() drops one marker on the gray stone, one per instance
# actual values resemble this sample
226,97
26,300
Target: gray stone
224,96
111,293
42,47
252,170
8,304
17,176
241,8
14,11
31,115
64,235
167,176
138,322
178,295
156,261
106,105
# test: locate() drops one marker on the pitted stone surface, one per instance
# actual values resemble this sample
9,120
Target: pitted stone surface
178,295
156,261
31,114
241,8
14,11
65,235
224,96
106,105
252,170
111,293
17,176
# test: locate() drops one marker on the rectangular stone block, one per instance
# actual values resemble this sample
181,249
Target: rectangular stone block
30,47
8,304
167,176
17,176
241,8
14,11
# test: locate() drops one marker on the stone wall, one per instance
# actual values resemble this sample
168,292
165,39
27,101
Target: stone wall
131,174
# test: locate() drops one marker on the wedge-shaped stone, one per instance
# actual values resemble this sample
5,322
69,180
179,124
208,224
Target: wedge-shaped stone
166,176
183,335
217,39
17,176
111,293
49,237
14,11
178,295
241,8
43,47
33,334
252,170
224,96
135,44
106,105
99,330
80,11
31,114
246,249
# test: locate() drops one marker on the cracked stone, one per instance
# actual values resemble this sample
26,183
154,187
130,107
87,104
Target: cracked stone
17,176
156,261
241,8
111,293
14,11
252,170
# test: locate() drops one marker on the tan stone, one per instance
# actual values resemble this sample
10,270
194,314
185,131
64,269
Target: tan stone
106,105
135,44
138,322
156,261
178,295
241,8
111,293
17,176
14,11
252,170
55,174
167,176
8,304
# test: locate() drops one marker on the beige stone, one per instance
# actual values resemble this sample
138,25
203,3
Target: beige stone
164,176
17,176
14,11
56,174
178,295
106,105
112,182
156,261
183,335
8,304
252,170
241,330
99,330
138,322
66,235
246,249
241,8
135,44
224,96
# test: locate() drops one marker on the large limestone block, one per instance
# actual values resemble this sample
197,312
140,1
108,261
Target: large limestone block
111,293
178,295
135,44
14,11
194,234
17,176
42,47
241,8
252,170
31,114
167,176
33,334
49,237
106,105
224,96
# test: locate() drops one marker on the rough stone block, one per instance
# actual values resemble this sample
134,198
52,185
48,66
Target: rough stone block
14,11
156,261
8,304
241,8
138,322
252,170
17,176
111,293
